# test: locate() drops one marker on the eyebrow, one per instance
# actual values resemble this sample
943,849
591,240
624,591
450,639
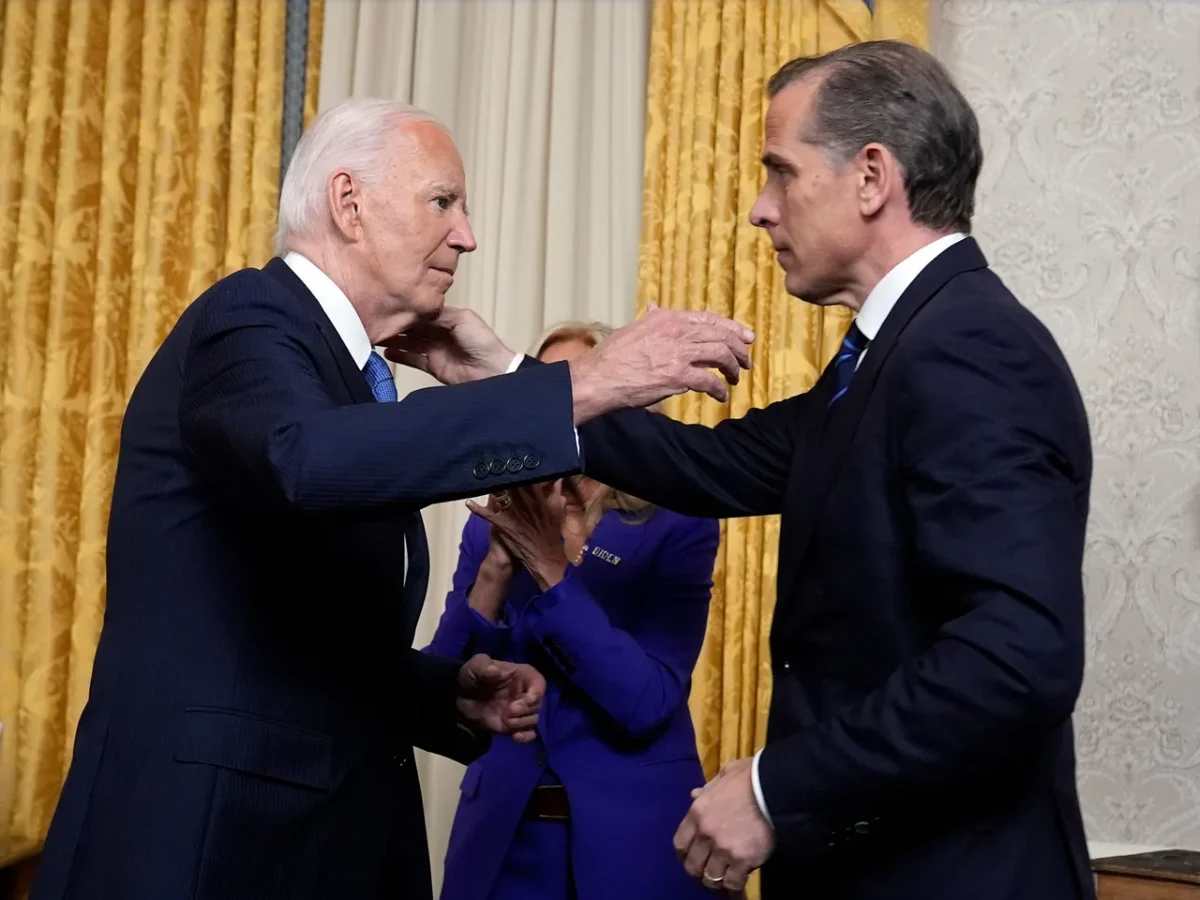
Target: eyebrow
777,163
450,190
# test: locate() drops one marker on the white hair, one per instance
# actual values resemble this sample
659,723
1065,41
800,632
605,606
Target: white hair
353,135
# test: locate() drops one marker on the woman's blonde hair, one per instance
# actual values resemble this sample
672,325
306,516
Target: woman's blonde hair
592,333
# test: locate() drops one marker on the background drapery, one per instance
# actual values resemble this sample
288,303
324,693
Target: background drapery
546,101
709,65
139,162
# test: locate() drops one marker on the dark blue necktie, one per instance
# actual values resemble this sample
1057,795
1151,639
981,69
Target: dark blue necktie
846,361
379,377
383,386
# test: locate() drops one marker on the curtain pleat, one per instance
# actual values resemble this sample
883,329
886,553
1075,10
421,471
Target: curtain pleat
139,162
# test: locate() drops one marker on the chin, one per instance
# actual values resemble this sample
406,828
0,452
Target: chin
430,305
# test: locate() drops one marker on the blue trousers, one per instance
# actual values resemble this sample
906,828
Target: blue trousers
538,864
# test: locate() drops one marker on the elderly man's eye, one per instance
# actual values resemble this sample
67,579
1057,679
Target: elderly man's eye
443,203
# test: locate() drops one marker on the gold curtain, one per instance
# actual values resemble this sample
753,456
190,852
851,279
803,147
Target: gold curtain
139,162
709,64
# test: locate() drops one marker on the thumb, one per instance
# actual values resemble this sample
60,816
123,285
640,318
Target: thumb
408,358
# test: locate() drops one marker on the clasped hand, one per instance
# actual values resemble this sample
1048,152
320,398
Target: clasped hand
530,526
501,697
724,836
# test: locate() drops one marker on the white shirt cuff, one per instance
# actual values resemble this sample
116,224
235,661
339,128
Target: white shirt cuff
758,794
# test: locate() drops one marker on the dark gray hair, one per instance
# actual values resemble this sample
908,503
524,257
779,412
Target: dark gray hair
897,95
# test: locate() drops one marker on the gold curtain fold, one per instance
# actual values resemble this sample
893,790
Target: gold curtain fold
139,162
312,68
706,103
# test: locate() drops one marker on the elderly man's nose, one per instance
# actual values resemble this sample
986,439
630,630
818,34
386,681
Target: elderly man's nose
462,238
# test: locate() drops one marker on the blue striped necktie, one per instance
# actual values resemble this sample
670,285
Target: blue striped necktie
416,576
846,361
379,377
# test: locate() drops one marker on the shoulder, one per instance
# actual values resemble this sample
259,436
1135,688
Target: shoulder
975,361
251,294
685,534
978,308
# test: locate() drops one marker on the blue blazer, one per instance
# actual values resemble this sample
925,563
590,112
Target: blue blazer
617,640
254,700
927,643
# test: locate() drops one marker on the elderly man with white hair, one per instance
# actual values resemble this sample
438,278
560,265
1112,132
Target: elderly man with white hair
255,702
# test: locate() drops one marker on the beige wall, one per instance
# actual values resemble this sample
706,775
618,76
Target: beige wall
1089,208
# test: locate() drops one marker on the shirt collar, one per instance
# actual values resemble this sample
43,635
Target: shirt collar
335,304
890,288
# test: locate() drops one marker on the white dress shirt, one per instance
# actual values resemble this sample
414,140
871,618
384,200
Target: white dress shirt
870,319
341,311
336,305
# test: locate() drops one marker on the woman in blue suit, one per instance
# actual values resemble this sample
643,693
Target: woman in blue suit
608,597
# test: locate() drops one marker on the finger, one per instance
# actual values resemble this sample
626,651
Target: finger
714,335
525,737
494,676
520,709
706,382
535,688
736,876
697,856
554,496
715,356
685,834
513,724
408,358
707,318
715,870
484,512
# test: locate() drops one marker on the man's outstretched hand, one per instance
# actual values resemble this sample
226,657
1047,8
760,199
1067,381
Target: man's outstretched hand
665,352
500,697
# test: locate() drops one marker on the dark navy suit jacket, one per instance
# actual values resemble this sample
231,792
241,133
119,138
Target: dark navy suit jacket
255,698
617,639
927,645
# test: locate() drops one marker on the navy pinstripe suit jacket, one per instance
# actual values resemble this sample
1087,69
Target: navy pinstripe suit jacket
255,701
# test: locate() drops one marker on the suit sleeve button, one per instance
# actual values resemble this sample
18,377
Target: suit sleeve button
532,461
862,828
515,465
481,470
497,467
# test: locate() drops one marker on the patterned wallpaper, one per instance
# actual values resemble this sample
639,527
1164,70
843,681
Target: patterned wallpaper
1090,210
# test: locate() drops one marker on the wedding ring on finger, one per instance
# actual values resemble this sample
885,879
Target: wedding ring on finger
502,500
711,881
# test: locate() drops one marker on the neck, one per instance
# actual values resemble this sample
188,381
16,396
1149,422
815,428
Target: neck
368,300
885,252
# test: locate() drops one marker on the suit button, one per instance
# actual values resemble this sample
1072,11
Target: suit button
497,467
541,759
862,828
787,666
515,466
481,470
532,461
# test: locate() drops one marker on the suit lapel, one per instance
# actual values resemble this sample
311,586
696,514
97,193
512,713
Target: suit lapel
840,423
353,378
416,545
